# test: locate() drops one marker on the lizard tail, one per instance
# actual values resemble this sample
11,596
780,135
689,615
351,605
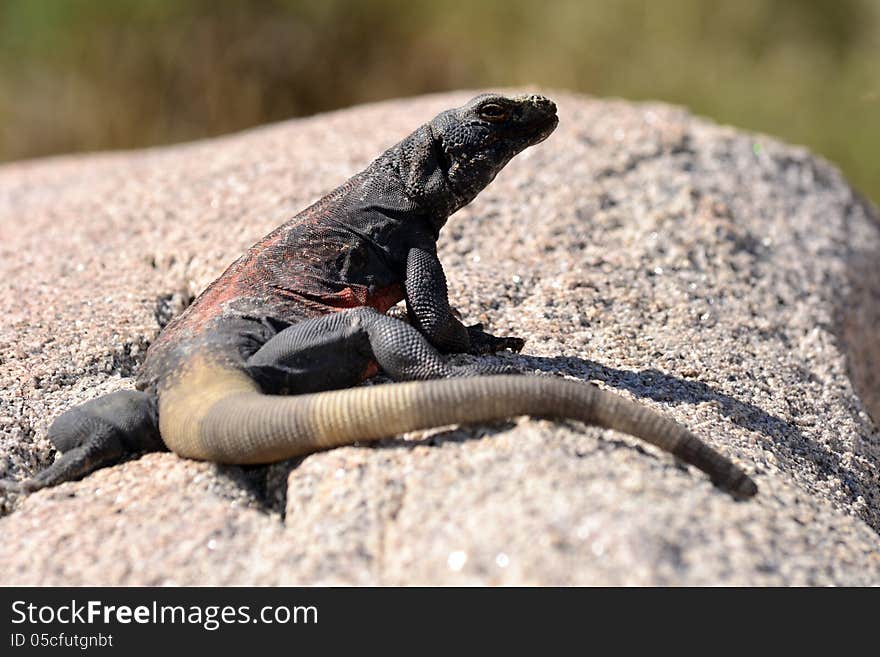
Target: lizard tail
220,415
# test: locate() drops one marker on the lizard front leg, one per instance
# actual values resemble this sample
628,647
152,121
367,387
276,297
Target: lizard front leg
427,304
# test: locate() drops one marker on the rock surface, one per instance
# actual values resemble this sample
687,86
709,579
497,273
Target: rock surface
723,278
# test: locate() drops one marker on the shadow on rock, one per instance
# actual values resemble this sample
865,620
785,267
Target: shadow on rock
789,442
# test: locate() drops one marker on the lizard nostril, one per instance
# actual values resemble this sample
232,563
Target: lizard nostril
543,103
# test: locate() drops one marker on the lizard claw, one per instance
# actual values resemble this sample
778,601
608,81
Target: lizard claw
512,343
486,343
13,486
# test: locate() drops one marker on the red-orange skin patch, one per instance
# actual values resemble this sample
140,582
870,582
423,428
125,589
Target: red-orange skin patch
371,370
381,300
297,272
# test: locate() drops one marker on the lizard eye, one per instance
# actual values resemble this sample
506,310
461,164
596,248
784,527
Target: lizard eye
493,112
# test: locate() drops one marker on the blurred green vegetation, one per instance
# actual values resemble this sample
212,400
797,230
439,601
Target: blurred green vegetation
94,74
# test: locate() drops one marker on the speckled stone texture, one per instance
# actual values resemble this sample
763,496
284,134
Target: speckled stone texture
723,278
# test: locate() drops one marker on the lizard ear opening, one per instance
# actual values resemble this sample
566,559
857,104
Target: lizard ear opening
442,157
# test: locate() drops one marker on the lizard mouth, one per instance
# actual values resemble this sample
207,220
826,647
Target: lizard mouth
544,128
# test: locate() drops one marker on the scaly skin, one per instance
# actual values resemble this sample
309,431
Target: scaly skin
255,370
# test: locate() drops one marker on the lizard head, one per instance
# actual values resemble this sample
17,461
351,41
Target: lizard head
472,143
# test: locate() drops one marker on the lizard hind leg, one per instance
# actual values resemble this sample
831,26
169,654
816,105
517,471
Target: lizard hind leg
96,434
325,353
336,351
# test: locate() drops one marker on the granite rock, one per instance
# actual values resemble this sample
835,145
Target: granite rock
720,277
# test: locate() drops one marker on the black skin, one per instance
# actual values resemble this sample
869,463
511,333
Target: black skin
303,310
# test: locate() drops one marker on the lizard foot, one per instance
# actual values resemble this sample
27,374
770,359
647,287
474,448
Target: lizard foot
486,343
12,486
23,487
